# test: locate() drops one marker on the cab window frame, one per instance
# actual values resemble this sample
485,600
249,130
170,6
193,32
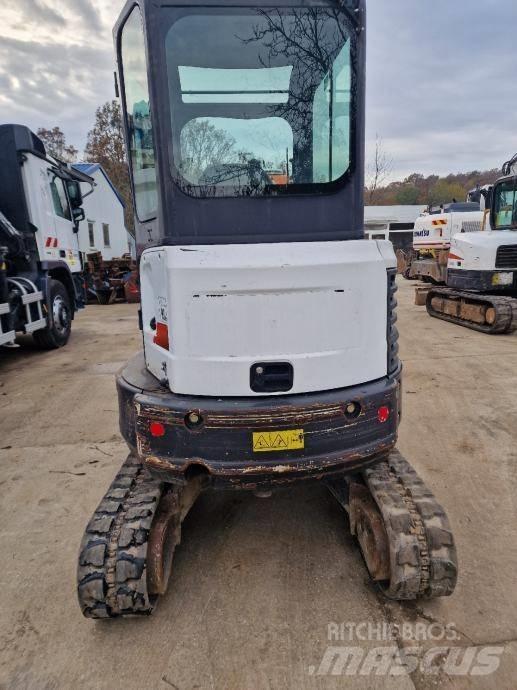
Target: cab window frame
125,113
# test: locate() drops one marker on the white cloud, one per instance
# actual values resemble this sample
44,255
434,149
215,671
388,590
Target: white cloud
56,62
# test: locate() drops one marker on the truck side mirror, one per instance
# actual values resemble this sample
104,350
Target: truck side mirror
74,194
78,215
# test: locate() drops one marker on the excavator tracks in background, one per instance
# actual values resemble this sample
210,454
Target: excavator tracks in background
485,313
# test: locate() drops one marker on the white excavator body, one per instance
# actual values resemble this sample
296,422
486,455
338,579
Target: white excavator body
320,308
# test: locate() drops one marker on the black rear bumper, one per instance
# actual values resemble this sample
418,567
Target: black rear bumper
222,447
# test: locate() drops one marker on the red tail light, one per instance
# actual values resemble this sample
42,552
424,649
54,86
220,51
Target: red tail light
157,429
383,414
161,337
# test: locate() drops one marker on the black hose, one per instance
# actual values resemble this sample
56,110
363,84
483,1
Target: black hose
507,167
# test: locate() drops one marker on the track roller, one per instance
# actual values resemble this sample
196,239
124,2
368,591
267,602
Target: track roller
127,550
403,532
490,314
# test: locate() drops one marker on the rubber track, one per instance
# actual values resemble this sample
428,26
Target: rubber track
111,575
506,310
422,552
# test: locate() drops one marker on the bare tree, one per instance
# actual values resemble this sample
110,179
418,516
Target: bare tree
310,39
378,171
204,146
105,145
55,144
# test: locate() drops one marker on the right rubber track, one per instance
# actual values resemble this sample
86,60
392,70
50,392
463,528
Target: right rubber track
505,308
423,559
111,574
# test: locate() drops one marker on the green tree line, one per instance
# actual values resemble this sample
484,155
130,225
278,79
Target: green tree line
433,189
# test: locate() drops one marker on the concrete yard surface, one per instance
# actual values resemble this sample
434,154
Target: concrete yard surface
265,594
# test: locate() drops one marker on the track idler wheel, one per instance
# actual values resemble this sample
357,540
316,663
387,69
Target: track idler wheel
367,525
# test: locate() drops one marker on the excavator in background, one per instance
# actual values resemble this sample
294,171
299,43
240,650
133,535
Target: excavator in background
268,323
468,250
432,238
481,271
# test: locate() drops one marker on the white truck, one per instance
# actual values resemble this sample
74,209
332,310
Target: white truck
41,273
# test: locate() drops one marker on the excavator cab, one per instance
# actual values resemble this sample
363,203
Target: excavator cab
504,206
245,122
270,351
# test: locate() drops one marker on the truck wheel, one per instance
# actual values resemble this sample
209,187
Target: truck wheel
57,333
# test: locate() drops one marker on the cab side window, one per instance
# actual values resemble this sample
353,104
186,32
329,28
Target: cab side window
506,205
139,122
60,199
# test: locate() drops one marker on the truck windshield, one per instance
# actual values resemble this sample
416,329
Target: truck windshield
505,211
260,100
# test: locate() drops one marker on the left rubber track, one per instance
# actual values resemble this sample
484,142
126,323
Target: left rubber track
112,570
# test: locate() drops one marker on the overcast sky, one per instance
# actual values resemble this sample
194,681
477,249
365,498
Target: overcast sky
442,91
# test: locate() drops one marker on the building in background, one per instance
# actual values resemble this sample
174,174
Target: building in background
103,229
395,223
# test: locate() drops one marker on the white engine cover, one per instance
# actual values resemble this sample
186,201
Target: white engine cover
321,306
477,251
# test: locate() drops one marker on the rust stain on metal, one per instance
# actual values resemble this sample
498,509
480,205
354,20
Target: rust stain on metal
278,417
157,463
287,473
165,532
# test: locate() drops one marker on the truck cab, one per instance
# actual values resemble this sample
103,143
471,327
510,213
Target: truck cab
40,208
268,322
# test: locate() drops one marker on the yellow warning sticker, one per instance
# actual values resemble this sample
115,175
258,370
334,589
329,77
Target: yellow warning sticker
269,441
